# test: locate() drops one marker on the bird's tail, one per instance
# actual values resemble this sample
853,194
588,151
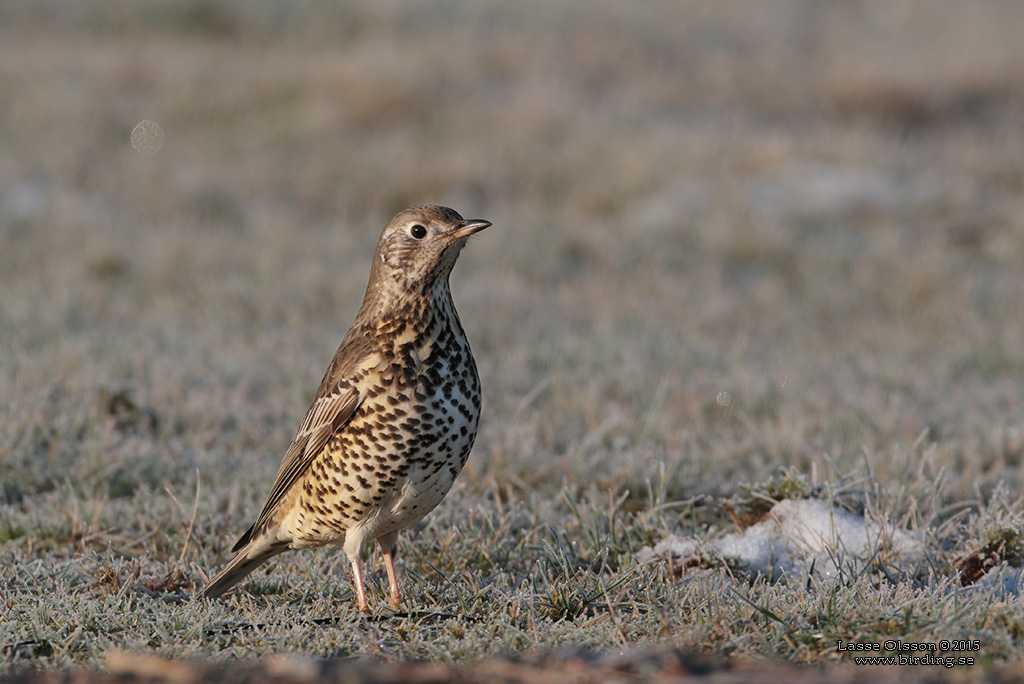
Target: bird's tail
245,561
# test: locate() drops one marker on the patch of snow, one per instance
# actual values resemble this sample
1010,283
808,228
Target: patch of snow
798,537
1006,579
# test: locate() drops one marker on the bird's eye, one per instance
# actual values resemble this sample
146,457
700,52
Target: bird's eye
418,231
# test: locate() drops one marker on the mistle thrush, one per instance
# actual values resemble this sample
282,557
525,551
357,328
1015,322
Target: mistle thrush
395,416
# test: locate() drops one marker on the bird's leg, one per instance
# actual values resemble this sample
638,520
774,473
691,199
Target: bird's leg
387,545
357,578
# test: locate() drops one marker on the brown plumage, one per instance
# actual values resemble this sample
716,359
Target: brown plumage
395,416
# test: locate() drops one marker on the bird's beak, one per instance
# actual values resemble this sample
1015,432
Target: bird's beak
468,227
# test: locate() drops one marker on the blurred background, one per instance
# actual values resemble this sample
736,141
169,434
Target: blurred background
728,237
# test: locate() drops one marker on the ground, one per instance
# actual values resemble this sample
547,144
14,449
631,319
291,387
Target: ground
742,253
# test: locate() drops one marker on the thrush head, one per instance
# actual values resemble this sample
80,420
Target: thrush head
417,250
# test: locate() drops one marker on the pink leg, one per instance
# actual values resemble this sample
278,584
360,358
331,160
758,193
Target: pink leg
387,545
357,578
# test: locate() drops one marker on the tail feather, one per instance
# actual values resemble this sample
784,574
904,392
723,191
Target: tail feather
244,562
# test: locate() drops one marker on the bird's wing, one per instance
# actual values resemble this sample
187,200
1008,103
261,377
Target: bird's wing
332,408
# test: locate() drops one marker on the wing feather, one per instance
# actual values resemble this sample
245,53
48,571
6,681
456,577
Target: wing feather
336,400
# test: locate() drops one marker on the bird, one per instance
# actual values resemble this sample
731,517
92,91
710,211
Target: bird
394,418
